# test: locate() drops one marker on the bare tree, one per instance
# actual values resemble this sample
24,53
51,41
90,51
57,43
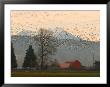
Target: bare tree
46,45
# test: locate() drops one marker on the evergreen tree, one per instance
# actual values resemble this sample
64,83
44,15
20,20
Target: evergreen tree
30,59
13,58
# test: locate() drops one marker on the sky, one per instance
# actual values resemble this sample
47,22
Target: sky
85,24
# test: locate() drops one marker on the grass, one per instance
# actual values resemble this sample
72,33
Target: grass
17,73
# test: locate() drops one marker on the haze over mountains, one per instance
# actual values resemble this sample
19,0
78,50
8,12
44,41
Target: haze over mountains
65,52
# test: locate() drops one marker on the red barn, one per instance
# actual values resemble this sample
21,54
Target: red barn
75,64
71,64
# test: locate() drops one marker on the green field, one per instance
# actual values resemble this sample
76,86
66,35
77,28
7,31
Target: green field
17,73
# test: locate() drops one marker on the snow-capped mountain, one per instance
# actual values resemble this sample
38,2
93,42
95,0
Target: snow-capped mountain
58,32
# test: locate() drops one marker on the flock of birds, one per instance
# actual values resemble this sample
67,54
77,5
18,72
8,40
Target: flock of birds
84,31
92,36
